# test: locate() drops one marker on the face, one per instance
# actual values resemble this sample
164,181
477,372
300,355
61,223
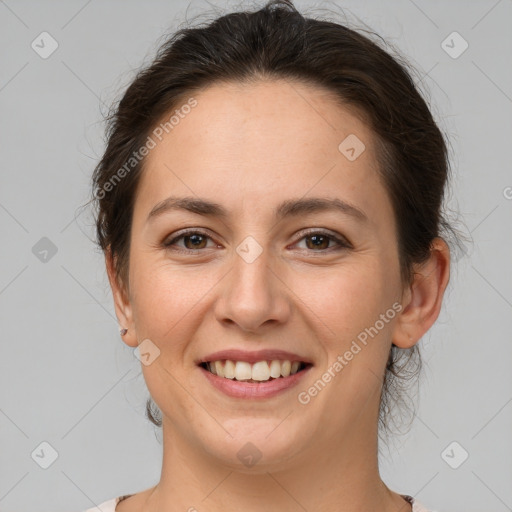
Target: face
304,283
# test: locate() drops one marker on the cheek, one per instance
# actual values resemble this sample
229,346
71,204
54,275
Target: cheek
167,305
351,307
349,300
165,301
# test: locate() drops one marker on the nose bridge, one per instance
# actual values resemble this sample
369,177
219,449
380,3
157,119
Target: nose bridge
251,272
252,294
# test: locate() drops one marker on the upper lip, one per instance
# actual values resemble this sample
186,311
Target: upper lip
253,357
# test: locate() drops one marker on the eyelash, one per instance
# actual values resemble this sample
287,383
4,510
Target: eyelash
342,243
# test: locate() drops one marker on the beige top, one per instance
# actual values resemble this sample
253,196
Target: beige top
110,505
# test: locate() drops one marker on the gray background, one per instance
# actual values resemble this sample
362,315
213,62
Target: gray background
68,380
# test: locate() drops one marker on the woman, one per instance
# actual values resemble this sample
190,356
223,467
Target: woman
270,209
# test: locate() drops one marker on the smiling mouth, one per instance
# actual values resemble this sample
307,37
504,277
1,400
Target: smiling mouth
261,371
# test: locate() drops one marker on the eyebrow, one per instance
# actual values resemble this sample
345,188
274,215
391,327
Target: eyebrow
288,208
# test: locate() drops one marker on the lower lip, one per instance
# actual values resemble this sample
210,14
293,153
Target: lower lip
267,389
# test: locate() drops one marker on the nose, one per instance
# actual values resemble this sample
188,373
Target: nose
253,296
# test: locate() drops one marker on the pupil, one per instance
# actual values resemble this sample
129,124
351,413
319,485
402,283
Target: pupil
194,239
318,238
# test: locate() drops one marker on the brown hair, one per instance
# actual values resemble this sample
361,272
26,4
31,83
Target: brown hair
276,41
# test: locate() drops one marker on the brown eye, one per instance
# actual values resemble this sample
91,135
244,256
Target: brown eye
192,240
197,241
318,241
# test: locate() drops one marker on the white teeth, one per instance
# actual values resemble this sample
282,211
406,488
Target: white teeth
243,371
261,371
275,369
219,369
285,368
229,369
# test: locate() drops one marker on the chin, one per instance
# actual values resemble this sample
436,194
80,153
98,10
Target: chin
256,445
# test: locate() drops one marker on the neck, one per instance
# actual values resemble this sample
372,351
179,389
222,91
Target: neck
337,474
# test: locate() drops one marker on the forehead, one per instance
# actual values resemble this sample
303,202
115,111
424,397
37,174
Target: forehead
262,141
283,115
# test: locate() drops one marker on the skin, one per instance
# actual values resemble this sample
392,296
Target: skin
249,147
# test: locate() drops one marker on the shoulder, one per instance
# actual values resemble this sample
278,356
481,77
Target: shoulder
110,505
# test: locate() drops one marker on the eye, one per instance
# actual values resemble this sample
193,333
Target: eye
319,241
316,241
192,239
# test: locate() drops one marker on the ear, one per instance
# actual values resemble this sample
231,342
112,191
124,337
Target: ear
423,298
122,303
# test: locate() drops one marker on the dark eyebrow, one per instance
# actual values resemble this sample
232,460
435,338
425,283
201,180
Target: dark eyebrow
290,207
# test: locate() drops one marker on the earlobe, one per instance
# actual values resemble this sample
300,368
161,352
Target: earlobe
423,299
122,304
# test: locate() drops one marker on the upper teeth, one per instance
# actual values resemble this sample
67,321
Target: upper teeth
261,371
